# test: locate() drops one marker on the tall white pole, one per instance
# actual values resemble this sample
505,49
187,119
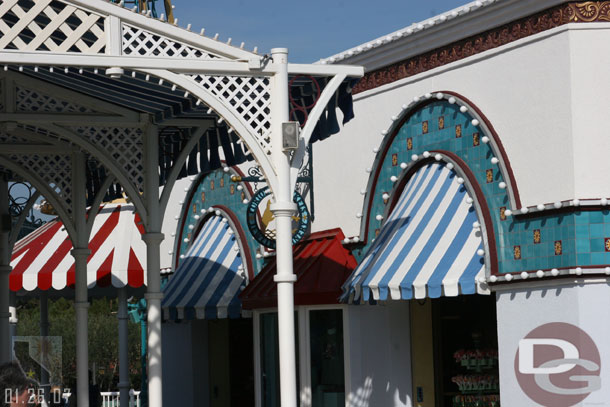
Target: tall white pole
5,270
123,349
153,239
81,253
44,333
283,208
13,318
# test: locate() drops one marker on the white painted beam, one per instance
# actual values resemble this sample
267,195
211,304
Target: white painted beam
326,70
184,65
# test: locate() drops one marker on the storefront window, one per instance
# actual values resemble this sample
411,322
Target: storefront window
467,351
327,365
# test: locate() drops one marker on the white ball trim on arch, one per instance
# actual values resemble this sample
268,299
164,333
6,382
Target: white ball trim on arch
461,179
477,121
226,219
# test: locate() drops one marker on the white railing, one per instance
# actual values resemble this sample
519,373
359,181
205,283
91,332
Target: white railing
111,398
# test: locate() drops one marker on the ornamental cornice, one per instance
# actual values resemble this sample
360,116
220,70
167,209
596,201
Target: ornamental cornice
572,12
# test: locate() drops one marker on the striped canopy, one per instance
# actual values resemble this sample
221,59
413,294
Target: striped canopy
209,277
427,246
42,259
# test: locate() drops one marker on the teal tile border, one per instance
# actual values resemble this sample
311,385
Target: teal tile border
567,239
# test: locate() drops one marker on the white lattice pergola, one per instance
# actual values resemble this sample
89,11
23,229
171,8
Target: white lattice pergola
98,101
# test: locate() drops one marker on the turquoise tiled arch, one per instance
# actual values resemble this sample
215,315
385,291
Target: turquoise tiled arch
551,239
215,189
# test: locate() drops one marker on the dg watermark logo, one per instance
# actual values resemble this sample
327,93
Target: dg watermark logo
558,365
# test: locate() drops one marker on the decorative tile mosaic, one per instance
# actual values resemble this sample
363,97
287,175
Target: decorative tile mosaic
537,236
584,236
517,252
558,248
205,196
489,176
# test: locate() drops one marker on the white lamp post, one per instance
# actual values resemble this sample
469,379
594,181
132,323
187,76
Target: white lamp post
283,208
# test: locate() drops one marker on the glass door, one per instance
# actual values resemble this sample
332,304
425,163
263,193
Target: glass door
270,365
327,363
270,360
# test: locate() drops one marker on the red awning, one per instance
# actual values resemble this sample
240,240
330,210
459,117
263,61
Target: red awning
42,260
321,264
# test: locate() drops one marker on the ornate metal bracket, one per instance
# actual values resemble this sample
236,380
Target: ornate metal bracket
20,195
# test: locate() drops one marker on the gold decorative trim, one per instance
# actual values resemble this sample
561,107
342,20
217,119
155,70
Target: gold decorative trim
589,11
573,12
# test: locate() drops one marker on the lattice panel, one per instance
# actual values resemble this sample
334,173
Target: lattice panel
250,97
33,101
141,42
47,25
124,146
54,169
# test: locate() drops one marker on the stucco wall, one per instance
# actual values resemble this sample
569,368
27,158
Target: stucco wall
544,95
522,310
379,356
590,104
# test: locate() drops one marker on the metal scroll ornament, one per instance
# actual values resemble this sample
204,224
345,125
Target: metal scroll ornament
264,234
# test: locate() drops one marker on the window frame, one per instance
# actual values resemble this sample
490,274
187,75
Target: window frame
303,352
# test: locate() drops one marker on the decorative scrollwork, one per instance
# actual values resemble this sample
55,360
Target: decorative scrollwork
589,11
304,185
572,12
20,194
255,172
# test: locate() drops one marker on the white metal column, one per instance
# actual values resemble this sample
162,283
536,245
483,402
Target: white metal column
123,348
283,208
5,270
81,253
44,333
153,239
13,318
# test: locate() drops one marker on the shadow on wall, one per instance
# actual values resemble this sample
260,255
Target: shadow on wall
361,397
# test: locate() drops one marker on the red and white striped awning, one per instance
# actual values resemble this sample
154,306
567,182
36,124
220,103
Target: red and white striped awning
42,260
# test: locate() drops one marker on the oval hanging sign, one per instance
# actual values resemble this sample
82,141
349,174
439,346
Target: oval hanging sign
265,232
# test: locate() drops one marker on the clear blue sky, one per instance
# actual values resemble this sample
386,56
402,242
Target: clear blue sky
310,29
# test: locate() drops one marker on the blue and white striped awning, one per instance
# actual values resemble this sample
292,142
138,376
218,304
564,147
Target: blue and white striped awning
428,245
209,278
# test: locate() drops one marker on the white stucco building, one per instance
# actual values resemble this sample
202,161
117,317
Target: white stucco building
470,190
